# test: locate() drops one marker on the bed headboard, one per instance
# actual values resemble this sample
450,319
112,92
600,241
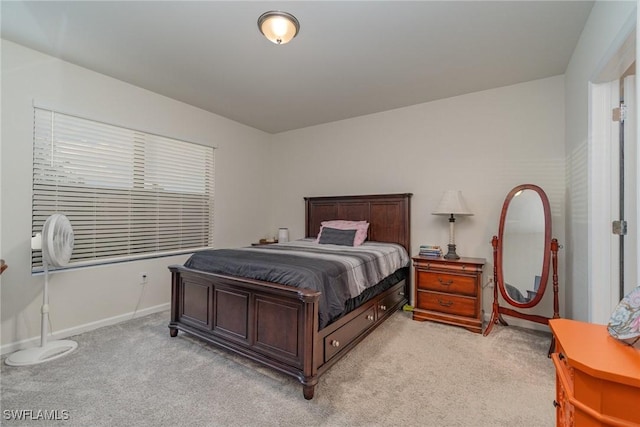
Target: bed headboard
389,215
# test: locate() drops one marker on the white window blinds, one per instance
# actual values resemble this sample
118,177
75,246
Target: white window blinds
128,194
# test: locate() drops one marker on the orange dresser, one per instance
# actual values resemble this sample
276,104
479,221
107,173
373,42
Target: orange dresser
597,377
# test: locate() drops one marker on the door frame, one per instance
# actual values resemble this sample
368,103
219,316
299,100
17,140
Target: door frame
604,90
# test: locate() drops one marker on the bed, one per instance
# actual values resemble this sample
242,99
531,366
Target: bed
280,325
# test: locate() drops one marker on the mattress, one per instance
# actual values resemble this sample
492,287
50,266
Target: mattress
346,276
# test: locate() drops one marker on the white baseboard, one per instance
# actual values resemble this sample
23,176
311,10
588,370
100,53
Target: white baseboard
66,333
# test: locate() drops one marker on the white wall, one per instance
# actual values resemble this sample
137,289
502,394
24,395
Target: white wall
607,26
483,143
93,294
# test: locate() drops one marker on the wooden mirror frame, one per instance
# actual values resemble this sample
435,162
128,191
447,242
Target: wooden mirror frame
544,275
550,257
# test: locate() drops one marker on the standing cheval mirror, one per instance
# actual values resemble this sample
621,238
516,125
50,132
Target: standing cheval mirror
523,251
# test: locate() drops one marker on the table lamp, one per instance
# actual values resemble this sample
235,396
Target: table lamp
452,204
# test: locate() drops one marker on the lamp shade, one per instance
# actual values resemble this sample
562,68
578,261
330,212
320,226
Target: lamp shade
278,27
452,203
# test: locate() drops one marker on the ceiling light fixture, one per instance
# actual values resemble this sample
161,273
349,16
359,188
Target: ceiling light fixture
278,27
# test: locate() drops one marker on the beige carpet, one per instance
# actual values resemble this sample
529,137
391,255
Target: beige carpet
405,373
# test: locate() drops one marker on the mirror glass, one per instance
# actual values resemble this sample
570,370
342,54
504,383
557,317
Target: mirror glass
523,246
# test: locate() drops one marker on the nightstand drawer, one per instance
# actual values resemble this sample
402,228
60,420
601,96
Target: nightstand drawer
446,303
450,283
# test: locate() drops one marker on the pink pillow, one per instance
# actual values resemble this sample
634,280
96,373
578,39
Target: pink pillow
361,228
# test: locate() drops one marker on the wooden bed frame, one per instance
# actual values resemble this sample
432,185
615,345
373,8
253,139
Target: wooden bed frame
277,325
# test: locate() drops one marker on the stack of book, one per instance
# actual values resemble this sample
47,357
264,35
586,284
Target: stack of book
430,251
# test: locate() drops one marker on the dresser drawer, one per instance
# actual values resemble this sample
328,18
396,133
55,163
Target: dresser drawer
445,303
334,342
443,282
565,411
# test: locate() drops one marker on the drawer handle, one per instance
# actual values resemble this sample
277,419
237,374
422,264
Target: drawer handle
560,356
445,303
445,282
370,317
335,343
556,404
383,307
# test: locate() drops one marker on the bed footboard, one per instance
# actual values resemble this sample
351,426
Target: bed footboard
269,323
272,324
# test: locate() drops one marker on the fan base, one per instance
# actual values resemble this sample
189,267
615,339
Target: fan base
33,356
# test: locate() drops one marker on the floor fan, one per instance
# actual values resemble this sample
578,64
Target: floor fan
57,245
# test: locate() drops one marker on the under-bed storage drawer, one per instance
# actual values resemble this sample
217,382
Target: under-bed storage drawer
334,342
388,303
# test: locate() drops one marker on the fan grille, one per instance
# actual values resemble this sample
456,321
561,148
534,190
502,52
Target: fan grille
57,240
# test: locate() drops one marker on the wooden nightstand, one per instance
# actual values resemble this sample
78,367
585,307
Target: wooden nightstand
449,291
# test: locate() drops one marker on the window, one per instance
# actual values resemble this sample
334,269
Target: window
128,194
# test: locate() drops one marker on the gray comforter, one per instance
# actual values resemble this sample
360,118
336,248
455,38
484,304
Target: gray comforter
338,272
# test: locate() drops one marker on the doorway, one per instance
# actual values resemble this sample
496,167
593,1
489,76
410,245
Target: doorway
613,183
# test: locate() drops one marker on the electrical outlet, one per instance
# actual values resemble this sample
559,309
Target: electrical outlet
143,278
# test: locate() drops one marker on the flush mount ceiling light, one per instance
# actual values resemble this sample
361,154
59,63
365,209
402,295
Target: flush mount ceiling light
278,27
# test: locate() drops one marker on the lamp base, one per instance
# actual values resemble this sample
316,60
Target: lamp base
452,252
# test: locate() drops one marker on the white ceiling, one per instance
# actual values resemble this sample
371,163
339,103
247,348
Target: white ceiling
350,58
